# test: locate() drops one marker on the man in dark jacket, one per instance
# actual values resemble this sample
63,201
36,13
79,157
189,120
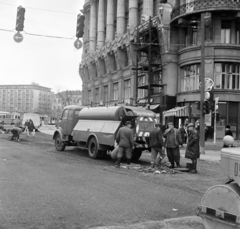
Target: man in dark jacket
228,131
173,140
193,149
15,132
124,139
156,144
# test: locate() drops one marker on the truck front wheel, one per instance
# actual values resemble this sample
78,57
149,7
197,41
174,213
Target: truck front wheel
59,145
93,150
136,154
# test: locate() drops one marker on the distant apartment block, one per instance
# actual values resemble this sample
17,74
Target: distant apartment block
25,98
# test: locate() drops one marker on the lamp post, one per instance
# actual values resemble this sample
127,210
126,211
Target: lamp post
202,89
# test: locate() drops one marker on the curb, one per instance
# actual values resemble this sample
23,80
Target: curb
188,222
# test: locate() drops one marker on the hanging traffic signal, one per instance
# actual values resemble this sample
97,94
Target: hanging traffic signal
215,104
206,107
80,26
20,18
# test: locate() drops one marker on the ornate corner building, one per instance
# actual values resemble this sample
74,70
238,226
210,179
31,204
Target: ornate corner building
149,52
122,47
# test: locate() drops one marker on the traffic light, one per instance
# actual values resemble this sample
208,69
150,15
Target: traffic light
206,107
215,104
20,18
218,116
80,26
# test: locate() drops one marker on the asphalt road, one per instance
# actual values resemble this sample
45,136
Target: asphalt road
42,188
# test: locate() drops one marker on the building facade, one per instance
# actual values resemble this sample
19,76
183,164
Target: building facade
108,67
221,57
150,51
25,98
65,98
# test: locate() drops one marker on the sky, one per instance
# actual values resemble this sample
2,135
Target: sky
49,62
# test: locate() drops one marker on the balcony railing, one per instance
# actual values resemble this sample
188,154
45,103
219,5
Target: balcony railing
205,5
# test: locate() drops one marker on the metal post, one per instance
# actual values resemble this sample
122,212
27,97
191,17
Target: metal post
215,121
149,60
202,91
137,59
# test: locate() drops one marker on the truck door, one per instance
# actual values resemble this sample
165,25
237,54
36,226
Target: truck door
63,122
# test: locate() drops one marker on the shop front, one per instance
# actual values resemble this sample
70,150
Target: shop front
177,115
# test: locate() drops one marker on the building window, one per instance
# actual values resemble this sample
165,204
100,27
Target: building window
97,95
89,96
194,36
190,77
227,76
125,58
127,89
113,61
115,91
237,33
141,82
105,91
157,79
225,32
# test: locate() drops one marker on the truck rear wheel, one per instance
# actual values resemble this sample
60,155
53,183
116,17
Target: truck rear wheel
93,150
59,145
136,154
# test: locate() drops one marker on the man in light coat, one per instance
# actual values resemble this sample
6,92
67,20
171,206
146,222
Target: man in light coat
125,141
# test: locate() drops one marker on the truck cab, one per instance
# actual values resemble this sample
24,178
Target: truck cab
65,126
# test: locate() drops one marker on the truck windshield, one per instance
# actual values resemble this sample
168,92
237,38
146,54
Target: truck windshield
146,126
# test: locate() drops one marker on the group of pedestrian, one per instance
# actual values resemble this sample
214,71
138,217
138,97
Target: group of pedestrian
171,140
174,139
29,127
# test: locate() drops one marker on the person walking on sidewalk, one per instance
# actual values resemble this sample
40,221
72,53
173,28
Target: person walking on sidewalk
124,139
173,140
156,144
193,149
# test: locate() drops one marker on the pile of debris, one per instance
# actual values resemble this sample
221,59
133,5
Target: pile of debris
161,169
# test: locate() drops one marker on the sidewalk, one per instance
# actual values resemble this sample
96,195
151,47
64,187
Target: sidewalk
189,222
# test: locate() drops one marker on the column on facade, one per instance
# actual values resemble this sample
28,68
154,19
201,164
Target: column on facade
121,17
110,20
93,26
133,13
101,16
148,7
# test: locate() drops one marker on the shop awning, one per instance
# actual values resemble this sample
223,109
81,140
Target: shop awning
152,107
177,111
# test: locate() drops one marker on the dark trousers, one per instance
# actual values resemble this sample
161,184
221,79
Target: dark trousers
173,155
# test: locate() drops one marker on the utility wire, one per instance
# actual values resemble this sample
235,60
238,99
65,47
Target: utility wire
39,35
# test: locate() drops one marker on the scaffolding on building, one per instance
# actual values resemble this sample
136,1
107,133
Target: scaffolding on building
148,62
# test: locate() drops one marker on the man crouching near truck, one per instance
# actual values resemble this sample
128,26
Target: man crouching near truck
125,142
